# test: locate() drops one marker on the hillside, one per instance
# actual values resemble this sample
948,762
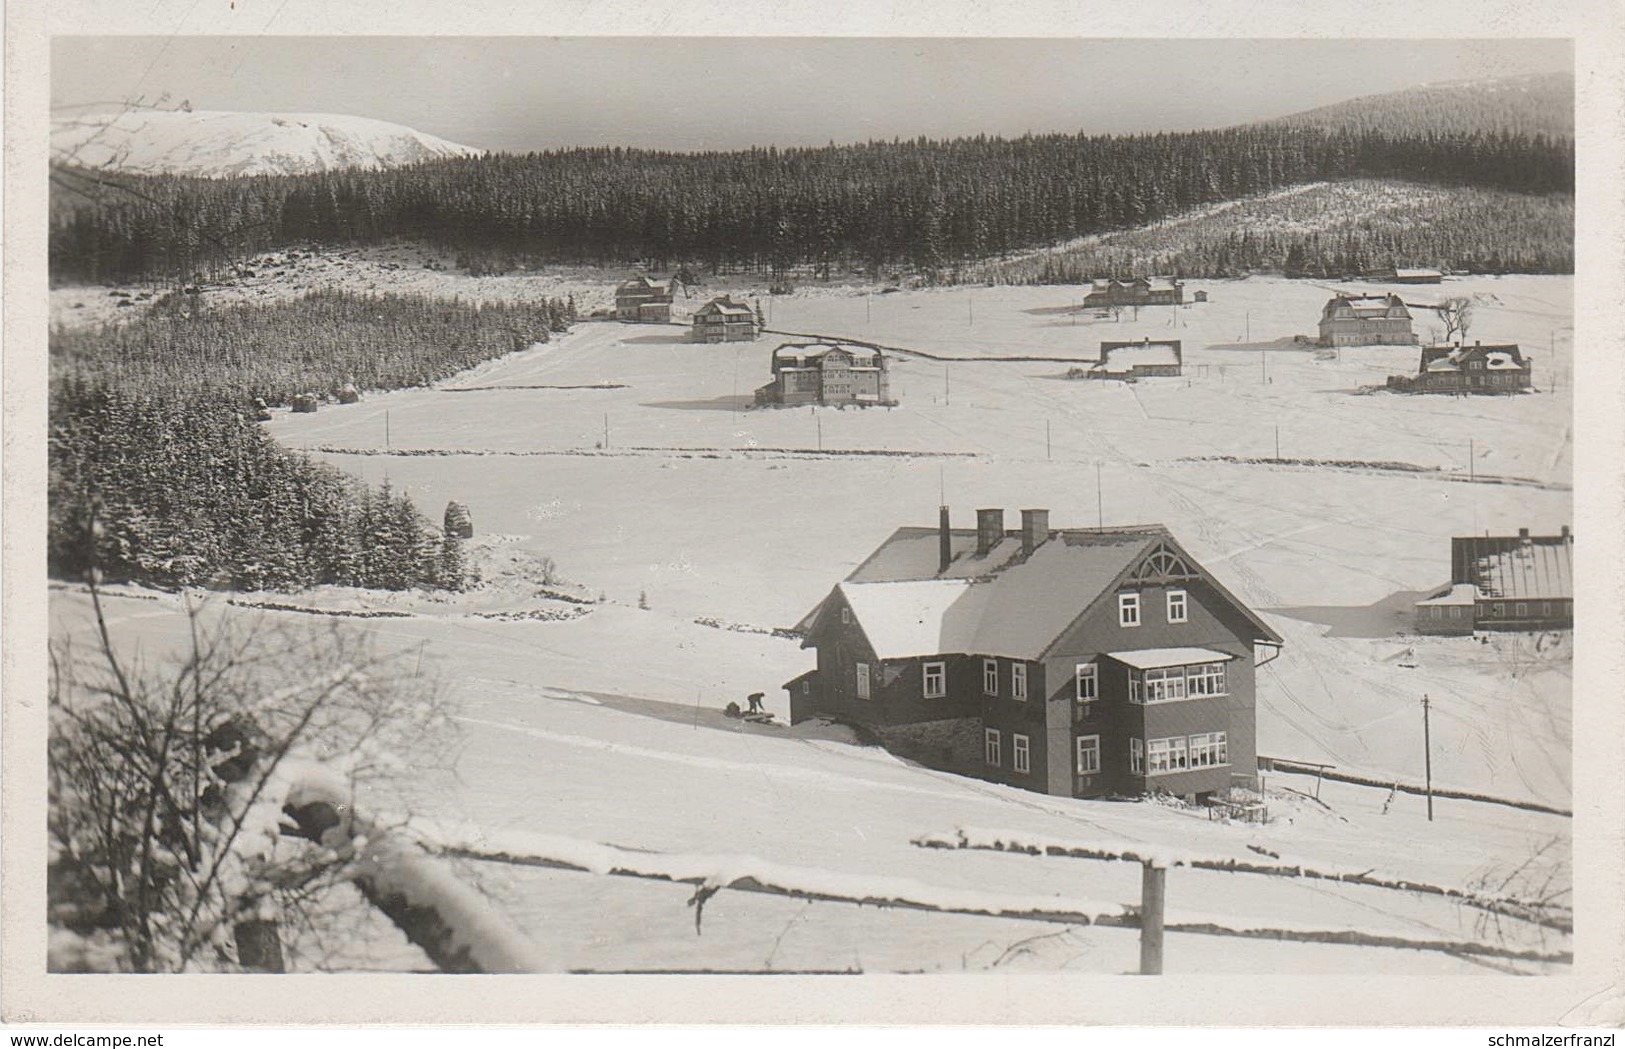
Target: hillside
1322,230
1536,104
214,144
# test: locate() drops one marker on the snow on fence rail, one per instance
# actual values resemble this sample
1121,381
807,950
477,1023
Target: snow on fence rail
711,873
450,921
1296,768
1536,912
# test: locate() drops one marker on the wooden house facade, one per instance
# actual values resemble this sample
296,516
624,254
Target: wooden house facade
1515,583
644,301
1137,360
1469,369
1075,662
826,373
1139,291
724,320
1366,320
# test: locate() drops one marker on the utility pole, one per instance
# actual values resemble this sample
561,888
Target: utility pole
1153,894
1100,500
945,384
606,431
1472,467
1249,336
1277,440
386,427
867,316
819,420
1047,453
1263,367
1427,754
970,306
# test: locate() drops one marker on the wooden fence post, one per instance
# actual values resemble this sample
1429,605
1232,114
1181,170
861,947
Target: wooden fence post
1153,891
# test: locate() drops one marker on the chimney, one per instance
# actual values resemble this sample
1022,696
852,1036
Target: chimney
1034,530
945,541
989,530
1565,531
1523,533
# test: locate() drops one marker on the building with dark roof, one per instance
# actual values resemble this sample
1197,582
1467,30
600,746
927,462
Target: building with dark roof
826,373
1520,582
1366,320
644,301
1418,276
723,320
1140,291
1077,662
1469,369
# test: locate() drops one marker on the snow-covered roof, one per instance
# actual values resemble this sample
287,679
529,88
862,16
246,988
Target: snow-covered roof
1457,594
1001,603
1417,273
1504,357
1152,658
815,350
916,618
1141,354
725,306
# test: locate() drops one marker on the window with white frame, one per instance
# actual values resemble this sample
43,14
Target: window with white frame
1156,685
991,752
1021,753
936,680
1136,756
1166,755
1209,749
863,681
1205,679
1176,606
1087,679
846,615
1089,755
1128,609
1018,680
990,677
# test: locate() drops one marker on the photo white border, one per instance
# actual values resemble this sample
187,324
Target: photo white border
1592,994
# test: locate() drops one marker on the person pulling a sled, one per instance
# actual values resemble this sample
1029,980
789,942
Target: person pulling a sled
755,701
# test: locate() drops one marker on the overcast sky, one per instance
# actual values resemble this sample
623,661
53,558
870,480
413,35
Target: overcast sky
525,93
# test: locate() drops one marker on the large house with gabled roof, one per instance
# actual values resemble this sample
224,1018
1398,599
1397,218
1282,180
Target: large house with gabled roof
1079,662
1366,320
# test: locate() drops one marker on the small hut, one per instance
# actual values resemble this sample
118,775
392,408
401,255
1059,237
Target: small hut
304,402
348,394
458,522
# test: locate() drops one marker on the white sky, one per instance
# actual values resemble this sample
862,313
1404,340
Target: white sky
693,93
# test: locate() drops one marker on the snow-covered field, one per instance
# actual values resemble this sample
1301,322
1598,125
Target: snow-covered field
632,460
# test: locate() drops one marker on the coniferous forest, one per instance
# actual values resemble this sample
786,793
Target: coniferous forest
159,473
922,204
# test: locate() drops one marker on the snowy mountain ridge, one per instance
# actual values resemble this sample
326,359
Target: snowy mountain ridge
218,144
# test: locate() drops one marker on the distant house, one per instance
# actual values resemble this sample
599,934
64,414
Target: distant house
1468,369
1201,296
1418,276
1136,360
826,373
1366,320
1141,291
1076,662
1520,582
724,320
643,301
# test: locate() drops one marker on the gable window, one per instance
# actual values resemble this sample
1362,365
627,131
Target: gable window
1136,756
863,681
1021,753
991,747
1018,681
1088,683
1176,606
990,677
806,688
846,615
1128,609
1089,755
936,680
